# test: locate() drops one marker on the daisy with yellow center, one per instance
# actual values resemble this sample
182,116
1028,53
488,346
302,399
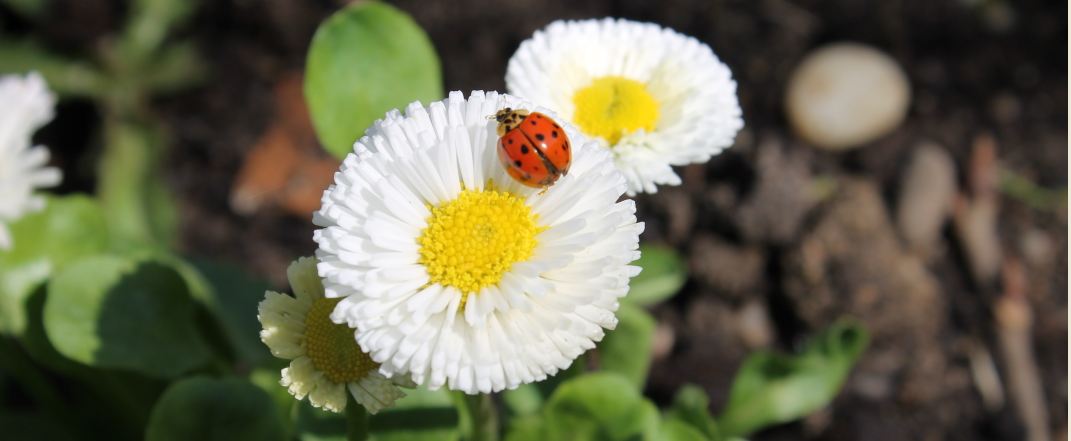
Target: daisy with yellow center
457,275
653,97
26,104
326,361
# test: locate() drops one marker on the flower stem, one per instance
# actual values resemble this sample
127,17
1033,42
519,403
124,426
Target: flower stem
356,421
484,417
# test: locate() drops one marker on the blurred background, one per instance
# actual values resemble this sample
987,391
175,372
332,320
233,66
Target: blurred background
942,227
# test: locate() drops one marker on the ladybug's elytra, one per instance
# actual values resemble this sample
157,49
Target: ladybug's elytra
533,147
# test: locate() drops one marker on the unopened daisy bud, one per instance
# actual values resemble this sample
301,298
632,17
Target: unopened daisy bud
455,273
655,98
325,359
26,104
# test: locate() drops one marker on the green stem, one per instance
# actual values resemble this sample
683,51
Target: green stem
483,416
356,420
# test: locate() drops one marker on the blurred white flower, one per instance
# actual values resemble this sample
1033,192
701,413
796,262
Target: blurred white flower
325,359
654,97
26,104
456,274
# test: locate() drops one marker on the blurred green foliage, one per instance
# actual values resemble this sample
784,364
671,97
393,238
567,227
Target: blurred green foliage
106,331
365,60
773,388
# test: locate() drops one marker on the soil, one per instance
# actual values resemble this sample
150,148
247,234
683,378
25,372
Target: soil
781,238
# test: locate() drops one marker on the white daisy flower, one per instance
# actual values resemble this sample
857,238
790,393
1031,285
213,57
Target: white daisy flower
25,105
654,97
456,274
325,359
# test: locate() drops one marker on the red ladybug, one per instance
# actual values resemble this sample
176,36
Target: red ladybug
533,148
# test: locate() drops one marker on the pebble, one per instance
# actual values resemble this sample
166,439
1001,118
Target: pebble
845,95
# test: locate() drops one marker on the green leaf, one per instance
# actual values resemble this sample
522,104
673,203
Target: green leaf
526,428
65,76
210,409
312,424
111,312
365,60
627,349
526,399
664,273
690,407
232,296
422,415
177,67
774,388
599,406
675,430
148,25
267,379
68,228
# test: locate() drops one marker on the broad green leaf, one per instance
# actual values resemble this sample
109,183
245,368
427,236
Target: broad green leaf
232,296
627,349
267,379
675,430
525,428
214,409
773,388
112,312
690,407
526,399
599,406
68,228
312,424
65,76
664,273
422,415
365,60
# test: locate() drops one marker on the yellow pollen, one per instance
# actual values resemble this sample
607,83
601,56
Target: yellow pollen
332,347
611,107
472,240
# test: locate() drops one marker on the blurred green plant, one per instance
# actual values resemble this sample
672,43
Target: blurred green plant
365,60
103,328
773,388
1024,190
121,76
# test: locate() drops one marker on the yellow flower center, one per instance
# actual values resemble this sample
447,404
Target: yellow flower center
332,347
611,107
472,240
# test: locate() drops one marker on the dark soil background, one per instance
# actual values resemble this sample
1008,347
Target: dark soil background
782,238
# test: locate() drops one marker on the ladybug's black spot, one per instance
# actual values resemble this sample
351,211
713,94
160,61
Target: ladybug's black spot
553,133
524,150
510,141
565,146
539,136
556,126
517,163
533,122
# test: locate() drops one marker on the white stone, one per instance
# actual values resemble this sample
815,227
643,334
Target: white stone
846,94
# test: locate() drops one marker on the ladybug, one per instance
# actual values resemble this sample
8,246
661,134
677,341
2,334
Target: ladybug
533,147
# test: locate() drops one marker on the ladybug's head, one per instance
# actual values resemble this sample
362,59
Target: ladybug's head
509,118
503,115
